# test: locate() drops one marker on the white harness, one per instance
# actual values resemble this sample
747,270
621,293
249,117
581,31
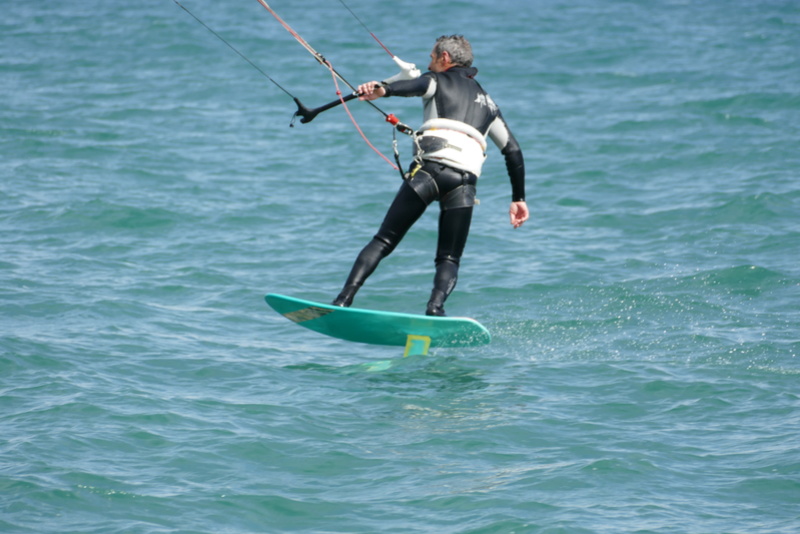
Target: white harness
456,144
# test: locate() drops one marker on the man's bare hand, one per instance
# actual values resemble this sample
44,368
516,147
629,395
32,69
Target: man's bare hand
519,213
371,91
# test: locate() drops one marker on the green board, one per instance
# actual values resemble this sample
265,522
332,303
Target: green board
414,332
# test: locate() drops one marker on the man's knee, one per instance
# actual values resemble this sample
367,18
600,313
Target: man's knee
444,258
386,244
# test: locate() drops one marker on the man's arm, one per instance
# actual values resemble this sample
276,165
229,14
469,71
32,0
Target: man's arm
515,165
416,87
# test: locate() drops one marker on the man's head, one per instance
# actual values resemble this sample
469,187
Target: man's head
450,51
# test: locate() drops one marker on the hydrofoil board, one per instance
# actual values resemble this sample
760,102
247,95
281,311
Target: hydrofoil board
416,333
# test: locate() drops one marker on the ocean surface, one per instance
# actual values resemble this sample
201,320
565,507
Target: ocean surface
644,373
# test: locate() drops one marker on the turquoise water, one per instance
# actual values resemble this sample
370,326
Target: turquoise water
643,375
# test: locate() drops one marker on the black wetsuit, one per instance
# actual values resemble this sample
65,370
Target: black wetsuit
453,95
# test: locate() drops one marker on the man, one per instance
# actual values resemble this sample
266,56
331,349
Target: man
450,150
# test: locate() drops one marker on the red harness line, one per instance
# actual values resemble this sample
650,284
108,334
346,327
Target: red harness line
335,75
355,123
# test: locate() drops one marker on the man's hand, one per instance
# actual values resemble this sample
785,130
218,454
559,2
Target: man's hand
371,91
519,213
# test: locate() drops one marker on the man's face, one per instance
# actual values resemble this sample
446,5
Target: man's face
438,63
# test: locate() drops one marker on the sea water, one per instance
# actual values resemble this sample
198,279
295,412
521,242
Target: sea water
643,374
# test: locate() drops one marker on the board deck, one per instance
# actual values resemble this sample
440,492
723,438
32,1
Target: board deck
414,332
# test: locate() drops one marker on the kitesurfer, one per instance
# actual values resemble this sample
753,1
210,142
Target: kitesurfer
450,150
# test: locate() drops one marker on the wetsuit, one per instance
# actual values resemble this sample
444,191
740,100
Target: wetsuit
450,149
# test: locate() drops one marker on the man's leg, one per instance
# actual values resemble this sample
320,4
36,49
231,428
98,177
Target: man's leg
454,226
406,208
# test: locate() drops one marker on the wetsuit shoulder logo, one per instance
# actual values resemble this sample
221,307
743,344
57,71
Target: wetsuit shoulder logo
485,100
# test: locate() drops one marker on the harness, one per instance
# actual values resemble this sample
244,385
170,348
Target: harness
454,143
420,179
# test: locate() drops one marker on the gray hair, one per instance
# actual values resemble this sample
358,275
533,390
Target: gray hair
457,46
